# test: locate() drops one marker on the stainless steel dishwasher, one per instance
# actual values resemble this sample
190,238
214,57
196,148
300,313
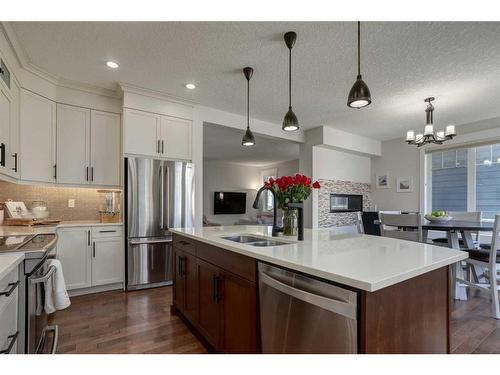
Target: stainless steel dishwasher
301,314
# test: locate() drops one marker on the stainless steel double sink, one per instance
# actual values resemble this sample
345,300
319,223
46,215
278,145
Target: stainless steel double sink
254,241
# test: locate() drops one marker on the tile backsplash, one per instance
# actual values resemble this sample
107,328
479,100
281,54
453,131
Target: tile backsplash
327,219
87,201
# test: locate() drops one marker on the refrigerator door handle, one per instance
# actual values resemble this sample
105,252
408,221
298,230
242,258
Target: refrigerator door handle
168,198
162,188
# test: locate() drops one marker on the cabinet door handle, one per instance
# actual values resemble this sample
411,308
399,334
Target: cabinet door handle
162,148
158,146
107,231
216,289
87,174
2,154
92,174
13,339
93,249
88,238
14,155
55,171
13,287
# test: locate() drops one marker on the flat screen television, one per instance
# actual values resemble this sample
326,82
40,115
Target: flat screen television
229,203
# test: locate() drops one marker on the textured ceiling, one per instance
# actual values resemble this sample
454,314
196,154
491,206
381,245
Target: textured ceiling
402,62
224,143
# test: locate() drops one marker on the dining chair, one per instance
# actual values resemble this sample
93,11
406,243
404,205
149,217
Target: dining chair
488,260
461,216
356,228
359,222
408,226
388,212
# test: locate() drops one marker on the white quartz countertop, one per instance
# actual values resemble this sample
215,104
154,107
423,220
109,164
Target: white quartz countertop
9,261
13,230
361,261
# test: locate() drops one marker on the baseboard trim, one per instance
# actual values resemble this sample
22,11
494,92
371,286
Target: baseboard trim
95,289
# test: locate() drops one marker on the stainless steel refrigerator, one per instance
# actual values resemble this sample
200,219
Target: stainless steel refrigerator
159,195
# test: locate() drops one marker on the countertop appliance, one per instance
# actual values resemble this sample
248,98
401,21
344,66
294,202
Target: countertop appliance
159,195
300,314
34,330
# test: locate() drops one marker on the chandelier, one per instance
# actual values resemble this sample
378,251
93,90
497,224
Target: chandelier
429,136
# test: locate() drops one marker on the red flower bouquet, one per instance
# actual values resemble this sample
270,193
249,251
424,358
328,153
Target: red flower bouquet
291,189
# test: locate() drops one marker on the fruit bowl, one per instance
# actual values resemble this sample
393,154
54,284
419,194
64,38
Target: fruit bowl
437,219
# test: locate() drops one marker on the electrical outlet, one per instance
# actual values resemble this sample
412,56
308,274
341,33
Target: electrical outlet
71,203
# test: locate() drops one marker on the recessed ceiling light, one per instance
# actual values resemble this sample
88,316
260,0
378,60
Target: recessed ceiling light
112,65
190,86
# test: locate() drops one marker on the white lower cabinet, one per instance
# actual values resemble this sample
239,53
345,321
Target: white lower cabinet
90,259
9,328
73,250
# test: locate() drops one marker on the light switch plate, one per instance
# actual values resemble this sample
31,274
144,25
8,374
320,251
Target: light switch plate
71,203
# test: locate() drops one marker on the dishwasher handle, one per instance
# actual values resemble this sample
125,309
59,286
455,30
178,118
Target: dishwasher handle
338,307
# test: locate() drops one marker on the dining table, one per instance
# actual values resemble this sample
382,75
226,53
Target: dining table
453,228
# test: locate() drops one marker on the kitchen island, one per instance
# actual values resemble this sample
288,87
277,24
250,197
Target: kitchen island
400,288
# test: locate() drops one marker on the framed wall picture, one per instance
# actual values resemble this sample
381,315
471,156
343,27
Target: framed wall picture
404,184
382,181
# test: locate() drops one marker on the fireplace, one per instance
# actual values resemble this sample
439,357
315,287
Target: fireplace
346,202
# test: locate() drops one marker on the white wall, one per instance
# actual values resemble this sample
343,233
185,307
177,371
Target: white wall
400,160
337,165
226,176
223,176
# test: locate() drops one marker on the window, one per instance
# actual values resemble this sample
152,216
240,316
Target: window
268,196
465,179
449,180
488,180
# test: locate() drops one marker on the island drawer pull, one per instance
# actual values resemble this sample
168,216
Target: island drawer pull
13,339
335,306
108,231
13,287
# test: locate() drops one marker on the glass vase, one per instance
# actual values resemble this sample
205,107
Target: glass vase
290,222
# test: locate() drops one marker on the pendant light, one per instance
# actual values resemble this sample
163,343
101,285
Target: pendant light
290,122
248,138
359,96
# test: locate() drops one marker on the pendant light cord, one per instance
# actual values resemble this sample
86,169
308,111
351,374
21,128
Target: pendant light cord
248,103
290,79
359,48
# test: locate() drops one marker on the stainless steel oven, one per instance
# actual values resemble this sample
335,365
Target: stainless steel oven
41,338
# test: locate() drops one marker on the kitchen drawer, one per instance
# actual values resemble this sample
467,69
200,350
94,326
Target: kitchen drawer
184,244
237,264
9,324
11,278
107,231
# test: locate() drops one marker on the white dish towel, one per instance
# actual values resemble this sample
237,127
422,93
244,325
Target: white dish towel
56,296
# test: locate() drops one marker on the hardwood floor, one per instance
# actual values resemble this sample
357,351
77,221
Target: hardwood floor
141,322
473,330
119,322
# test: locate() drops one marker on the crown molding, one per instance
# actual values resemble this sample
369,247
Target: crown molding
127,87
26,64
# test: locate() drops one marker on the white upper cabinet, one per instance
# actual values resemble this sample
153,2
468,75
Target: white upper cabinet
13,155
141,132
105,148
5,119
150,134
175,138
73,148
37,138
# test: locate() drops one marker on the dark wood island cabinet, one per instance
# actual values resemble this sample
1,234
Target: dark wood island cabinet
216,291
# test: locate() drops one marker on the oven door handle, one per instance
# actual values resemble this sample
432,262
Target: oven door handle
55,340
48,275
